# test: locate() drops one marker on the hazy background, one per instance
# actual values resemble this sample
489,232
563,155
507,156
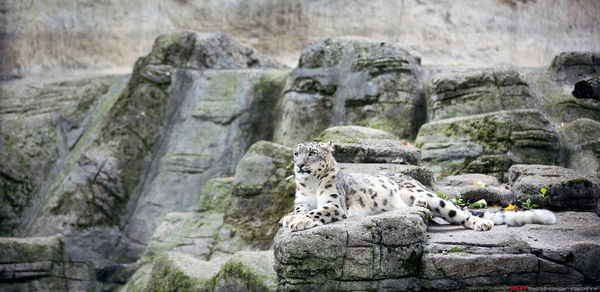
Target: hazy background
45,37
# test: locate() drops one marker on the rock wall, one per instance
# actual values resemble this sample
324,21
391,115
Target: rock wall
159,178
37,36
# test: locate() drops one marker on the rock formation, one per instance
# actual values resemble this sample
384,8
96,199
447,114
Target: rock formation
175,177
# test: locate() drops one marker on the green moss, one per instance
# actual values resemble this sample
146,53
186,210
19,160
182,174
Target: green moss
216,194
455,249
165,278
237,271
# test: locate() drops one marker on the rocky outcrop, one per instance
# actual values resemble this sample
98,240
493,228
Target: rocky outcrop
243,272
40,125
366,145
487,143
475,187
477,92
361,253
370,254
352,81
575,65
582,142
263,192
567,188
32,264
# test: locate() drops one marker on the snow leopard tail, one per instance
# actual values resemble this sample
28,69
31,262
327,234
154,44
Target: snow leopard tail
518,218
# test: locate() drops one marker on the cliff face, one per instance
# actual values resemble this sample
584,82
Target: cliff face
38,36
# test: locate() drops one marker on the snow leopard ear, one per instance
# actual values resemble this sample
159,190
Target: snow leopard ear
327,146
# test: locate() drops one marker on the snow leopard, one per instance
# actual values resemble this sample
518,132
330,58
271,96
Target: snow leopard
325,194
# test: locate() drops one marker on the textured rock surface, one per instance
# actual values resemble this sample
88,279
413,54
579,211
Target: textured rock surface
475,187
567,188
245,271
40,125
352,254
575,65
476,92
487,143
582,140
449,256
32,264
355,81
420,173
366,145
528,255
57,33
263,192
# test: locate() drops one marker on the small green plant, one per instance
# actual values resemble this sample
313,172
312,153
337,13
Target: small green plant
458,200
476,205
544,195
527,205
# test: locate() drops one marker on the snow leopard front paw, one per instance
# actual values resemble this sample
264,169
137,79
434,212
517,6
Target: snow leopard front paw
287,219
303,223
483,225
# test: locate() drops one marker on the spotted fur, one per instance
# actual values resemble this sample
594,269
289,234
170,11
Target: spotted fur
326,194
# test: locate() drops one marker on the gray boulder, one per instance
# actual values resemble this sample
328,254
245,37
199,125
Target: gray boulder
457,94
32,264
564,254
353,254
244,271
568,189
352,81
420,173
487,143
582,141
263,192
366,145
474,187
573,66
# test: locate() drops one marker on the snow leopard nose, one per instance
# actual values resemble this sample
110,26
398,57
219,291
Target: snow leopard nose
300,165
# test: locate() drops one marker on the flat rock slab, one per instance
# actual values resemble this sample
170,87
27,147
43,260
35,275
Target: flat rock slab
566,253
456,94
487,143
568,189
474,187
420,173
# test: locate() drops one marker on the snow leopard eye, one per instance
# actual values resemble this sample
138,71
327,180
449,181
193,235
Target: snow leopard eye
312,153
295,153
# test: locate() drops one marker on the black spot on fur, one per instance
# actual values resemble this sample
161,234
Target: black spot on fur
384,187
317,217
420,190
429,195
442,204
344,216
360,201
333,176
319,169
325,207
375,204
327,186
437,210
452,213
327,214
384,202
322,220
334,196
319,213
336,205
303,185
336,212
412,198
